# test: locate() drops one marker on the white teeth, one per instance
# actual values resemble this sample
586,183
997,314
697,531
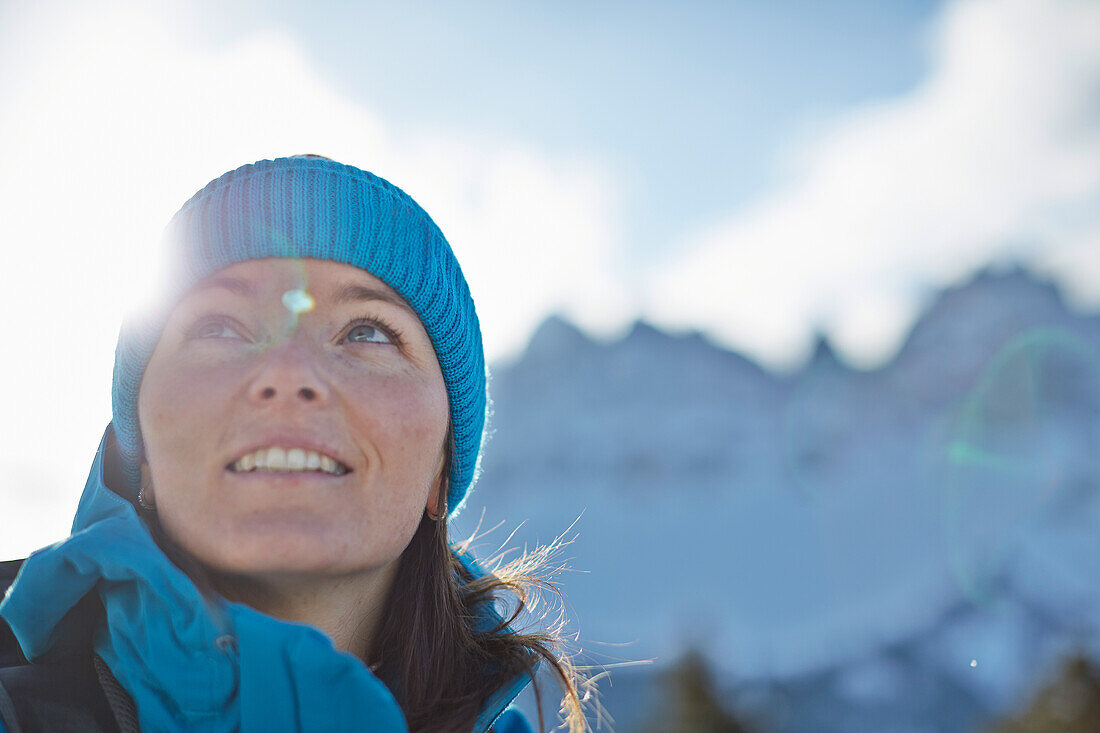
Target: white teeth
277,459
295,459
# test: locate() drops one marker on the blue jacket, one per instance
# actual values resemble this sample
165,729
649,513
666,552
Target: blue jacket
189,662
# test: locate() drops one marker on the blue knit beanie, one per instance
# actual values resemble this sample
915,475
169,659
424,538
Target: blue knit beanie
313,207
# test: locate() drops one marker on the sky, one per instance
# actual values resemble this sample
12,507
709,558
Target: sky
761,172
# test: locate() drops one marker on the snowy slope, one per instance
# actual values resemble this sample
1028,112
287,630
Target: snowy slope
797,526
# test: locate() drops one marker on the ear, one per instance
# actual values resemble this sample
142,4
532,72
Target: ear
146,480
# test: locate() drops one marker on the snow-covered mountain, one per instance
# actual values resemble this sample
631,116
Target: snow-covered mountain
924,537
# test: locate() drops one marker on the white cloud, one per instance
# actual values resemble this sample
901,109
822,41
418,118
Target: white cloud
113,120
534,233
997,152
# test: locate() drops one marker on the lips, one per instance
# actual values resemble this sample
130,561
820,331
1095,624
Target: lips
285,459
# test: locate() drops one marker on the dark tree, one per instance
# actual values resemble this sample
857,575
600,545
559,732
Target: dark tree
1071,704
691,704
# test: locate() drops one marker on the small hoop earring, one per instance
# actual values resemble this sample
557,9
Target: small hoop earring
442,514
144,502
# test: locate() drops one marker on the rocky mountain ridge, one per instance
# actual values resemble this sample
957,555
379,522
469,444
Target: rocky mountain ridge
809,526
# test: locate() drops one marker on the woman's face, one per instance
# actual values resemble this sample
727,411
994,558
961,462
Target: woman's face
249,385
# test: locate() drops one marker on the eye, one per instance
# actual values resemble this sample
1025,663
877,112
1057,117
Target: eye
213,328
367,333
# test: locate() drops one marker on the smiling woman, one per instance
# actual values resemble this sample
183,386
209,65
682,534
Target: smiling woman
237,379
262,542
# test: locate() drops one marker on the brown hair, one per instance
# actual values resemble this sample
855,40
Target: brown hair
440,664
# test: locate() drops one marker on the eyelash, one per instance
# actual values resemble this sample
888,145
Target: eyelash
204,321
388,330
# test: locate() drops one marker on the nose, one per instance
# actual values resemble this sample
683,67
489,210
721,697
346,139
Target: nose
306,393
290,371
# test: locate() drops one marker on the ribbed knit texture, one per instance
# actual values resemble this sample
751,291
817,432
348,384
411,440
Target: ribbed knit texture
306,207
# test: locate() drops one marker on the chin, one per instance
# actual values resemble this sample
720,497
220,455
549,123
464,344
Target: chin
284,549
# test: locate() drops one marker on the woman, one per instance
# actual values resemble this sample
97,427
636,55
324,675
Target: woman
262,541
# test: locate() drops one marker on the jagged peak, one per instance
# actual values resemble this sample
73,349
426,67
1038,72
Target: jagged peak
1008,283
555,335
823,351
643,331
1001,288
1005,276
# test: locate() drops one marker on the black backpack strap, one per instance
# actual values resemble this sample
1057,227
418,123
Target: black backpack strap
10,653
122,705
9,721
57,696
8,570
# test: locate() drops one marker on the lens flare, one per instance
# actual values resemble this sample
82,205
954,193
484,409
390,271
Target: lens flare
1015,449
298,301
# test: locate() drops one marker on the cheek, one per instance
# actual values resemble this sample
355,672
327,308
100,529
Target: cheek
404,420
179,411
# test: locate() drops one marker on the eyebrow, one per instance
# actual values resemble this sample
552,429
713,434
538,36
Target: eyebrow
232,284
352,293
